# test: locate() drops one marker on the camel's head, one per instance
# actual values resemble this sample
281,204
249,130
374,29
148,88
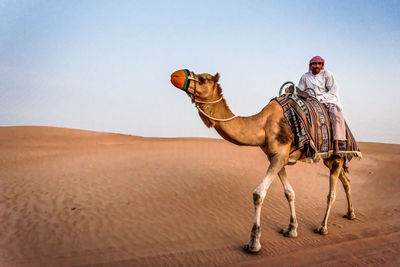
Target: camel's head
202,86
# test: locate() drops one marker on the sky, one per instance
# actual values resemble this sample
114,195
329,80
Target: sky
106,65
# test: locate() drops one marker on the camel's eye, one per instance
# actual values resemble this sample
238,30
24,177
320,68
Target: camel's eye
202,80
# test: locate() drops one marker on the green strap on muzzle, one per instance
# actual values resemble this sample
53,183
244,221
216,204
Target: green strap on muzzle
185,85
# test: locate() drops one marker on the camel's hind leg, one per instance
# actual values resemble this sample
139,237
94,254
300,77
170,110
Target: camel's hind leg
347,188
259,194
291,231
335,166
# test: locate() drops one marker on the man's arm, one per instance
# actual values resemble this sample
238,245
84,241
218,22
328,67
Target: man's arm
331,87
302,83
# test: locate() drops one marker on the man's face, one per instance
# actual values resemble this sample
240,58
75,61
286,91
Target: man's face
316,67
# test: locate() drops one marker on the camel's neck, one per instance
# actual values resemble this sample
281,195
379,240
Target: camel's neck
240,130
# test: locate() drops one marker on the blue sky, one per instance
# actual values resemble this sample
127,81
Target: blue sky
105,65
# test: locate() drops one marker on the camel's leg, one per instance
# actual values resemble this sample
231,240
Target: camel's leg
335,168
347,188
259,194
291,231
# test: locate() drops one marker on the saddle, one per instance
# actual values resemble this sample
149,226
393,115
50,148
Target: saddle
309,121
300,93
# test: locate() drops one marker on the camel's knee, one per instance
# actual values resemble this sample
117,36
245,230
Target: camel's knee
289,193
259,195
257,198
331,198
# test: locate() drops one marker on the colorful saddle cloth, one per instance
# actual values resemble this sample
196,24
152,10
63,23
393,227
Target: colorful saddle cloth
309,122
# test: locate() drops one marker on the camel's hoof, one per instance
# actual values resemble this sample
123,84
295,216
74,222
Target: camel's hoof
251,250
287,233
321,230
350,216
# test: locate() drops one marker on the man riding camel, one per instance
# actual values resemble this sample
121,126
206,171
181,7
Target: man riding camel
324,84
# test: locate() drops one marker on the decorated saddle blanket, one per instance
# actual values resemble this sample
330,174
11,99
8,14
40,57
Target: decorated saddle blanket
310,124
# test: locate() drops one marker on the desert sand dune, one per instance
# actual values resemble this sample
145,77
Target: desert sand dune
74,197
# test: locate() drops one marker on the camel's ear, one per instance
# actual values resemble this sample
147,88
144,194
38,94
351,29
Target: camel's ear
216,77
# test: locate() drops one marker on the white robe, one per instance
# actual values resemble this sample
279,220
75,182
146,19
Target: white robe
324,85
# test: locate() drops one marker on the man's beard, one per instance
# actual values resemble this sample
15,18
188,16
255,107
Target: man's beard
316,70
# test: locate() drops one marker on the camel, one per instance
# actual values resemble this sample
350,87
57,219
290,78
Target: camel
271,132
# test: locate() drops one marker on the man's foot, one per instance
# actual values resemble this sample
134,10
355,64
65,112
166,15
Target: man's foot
336,151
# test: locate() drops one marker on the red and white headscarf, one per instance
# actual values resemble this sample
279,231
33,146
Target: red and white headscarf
316,59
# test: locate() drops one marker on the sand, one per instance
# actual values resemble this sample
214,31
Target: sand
73,197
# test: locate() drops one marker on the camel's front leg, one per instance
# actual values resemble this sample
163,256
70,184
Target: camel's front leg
347,188
335,169
258,197
291,231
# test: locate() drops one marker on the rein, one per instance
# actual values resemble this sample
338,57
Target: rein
212,118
